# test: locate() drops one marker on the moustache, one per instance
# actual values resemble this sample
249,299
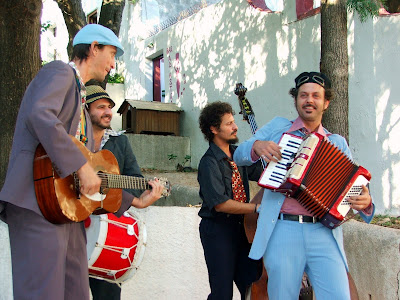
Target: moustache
309,105
106,116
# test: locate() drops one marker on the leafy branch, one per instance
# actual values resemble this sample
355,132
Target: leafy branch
116,78
365,8
181,166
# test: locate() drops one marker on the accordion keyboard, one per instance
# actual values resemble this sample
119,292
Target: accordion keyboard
274,174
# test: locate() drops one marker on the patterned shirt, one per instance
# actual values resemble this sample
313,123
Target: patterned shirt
107,134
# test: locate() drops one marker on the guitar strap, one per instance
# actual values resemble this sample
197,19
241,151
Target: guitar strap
81,132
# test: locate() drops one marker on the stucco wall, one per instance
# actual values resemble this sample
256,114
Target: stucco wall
5,263
173,266
374,105
230,42
117,93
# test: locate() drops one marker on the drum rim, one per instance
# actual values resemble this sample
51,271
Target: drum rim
103,231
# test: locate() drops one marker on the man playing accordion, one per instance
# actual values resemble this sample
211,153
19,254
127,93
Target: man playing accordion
289,238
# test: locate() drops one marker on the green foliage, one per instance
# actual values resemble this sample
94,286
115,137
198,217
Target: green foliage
365,8
116,78
44,26
383,220
172,156
181,165
186,159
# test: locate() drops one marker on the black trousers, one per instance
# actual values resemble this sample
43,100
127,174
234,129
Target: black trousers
226,252
104,290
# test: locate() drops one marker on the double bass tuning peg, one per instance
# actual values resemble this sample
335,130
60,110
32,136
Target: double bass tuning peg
240,90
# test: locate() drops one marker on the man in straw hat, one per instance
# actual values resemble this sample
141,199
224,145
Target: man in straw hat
49,261
99,106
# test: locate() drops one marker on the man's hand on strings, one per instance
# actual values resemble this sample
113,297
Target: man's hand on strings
148,197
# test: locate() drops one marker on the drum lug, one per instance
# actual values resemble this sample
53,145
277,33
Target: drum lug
131,230
125,253
111,273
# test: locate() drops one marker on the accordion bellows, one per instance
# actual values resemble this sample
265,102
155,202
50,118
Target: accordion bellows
321,178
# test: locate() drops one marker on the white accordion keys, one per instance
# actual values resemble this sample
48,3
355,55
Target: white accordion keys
274,174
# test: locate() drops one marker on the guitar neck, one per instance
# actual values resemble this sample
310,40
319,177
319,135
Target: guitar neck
125,182
247,111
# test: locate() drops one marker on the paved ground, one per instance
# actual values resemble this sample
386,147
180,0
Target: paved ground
181,178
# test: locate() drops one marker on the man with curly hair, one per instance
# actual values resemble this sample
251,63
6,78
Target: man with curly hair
224,190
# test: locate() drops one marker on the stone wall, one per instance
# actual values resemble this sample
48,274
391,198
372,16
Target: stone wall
152,151
173,266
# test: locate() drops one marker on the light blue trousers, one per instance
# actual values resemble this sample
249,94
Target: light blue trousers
295,248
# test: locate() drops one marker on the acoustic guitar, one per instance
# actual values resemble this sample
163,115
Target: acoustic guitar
61,202
259,288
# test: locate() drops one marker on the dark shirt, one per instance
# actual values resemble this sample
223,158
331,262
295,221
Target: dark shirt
215,179
128,165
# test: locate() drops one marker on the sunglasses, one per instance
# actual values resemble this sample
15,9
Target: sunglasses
313,77
307,78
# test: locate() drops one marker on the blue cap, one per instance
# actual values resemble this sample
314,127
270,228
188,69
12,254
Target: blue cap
103,35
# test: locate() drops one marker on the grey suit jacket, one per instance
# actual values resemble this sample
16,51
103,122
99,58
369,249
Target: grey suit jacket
49,111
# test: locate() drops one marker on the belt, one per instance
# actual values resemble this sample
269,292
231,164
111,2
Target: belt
298,218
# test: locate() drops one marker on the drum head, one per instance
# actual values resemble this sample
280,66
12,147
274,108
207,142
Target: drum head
96,233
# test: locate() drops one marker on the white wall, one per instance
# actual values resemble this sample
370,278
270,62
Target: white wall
231,42
173,266
5,263
374,105
117,93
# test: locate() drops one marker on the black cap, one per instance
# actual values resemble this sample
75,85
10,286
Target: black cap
314,77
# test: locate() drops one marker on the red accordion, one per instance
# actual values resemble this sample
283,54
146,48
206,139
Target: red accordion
321,178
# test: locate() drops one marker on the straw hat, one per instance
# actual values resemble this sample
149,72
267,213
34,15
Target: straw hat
96,92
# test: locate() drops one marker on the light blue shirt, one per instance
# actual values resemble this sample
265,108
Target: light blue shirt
272,202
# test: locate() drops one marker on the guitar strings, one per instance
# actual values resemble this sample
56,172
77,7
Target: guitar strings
123,181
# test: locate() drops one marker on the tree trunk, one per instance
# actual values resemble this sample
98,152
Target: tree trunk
334,63
74,18
111,14
20,61
393,6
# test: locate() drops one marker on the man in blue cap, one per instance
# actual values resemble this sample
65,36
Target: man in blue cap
49,261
